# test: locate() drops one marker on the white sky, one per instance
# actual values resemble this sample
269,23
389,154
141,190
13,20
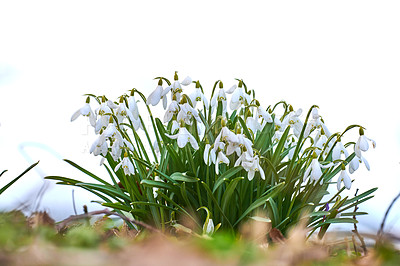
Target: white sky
343,56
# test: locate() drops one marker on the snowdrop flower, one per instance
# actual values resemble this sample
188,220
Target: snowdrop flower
245,143
320,144
183,137
314,171
86,110
155,97
103,116
173,108
355,163
99,146
362,143
338,150
292,119
186,112
239,98
123,112
209,227
198,96
226,135
345,178
219,97
253,125
252,167
132,106
176,88
209,155
221,158
126,165
264,115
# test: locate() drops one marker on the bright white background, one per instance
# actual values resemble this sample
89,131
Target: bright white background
343,56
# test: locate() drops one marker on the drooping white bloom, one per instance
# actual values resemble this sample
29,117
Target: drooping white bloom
133,107
155,97
173,108
221,158
244,142
362,144
209,227
253,125
239,98
197,96
103,114
123,112
183,137
320,144
176,88
264,115
339,150
126,165
209,155
253,166
293,119
186,113
219,97
345,178
99,146
86,110
314,171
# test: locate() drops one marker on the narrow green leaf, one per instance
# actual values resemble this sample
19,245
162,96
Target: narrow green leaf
16,179
183,177
226,175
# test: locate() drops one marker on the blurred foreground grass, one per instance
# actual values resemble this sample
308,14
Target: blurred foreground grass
36,241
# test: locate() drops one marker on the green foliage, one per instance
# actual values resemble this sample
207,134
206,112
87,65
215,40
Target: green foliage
286,171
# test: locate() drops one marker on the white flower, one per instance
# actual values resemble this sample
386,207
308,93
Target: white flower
132,106
338,150
127,166
320,144
239,98
253,166
103,113
264,115
99,146
186,112
221,158
176,87
173,108
86,110
155,97
183,137
314,171
253,125
245,143
198,96
292,119
362,144
345,178
219,97
123,112
209,155
209,227
355,163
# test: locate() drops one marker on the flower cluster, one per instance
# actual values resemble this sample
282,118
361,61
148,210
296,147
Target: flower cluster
226,154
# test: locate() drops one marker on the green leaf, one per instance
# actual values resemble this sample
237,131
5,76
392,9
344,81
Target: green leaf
108,190
227,196
262,200
261,219
226,175
87,172
183,177
117,206
16,179
159,184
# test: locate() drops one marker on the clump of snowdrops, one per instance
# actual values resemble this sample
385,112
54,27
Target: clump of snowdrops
218,160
